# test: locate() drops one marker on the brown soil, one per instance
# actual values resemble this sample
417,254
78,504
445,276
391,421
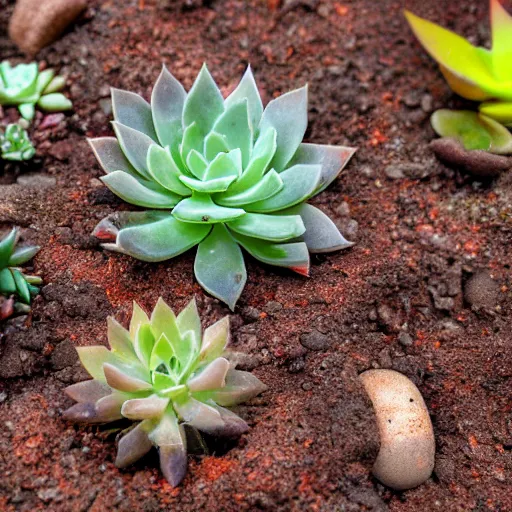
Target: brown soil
395,300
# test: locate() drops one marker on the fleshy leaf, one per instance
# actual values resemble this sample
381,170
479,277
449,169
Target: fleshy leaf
189,320
170,439
219,266
247,88
300,182
92,359
200,415
143,342
119,339
133,445
135,146
215,340
162,239
204,103
54,102
234,426
456,55
163,321
133,111
211,377
87,391
473,130
321,234
500,111
22,255
109,155
56,84
192,140
7,247
27,111
269,227
167,102
240,387
138,191
267,187
234,125
107,409
201,209
139,317
164,170
225,165
7,283
333,160
294,256
122,381
210,186
501,23
288,114
215,144
196,163
144,408
21,286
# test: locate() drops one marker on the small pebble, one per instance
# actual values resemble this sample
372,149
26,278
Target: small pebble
407,444
482,291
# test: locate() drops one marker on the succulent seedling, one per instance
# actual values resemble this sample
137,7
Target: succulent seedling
221,174
15,144
25,86
473,130
474,72
163,372
12,280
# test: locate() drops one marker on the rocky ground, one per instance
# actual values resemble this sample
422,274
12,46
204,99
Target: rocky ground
426,290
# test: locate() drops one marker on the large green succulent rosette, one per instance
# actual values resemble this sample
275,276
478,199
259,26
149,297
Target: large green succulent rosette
223,174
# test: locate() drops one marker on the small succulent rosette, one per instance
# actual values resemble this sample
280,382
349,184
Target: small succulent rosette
474,73
25,86
13,282
15,144
220,174
163,372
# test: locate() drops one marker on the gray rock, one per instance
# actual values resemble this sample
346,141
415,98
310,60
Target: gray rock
273,307
315,340
405,339
482,291
36,180
64,355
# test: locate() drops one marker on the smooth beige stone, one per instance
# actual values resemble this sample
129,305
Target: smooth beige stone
407,450
37,23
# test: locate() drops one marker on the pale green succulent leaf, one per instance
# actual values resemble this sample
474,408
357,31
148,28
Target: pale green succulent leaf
267,187
134,445
139,191
160,240
210,186
135,146
201,209
21,255
43,80
472,130
214,144
333,160
234,426
20,80
110,156
162,352
240,386
124,381
215,340
54,102
212,376
150,407
219,266
163,321
275,228
119,339
192,140
189,320
300,182
321,233
164,170
139,318
132,110
294,256
288,115
144,341
247,89
167,102
88,391
235,126
225,165
204,103
196,163
162,381
56,84
500,111
105,410
93,358
27,110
